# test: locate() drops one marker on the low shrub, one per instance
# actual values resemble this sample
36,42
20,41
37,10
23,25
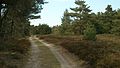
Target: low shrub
15,45
109,61
12,52
88,50
99,53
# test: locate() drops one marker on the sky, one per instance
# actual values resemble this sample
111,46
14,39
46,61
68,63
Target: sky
53,11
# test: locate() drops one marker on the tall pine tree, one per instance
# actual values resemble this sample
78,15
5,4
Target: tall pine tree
66,26
81,15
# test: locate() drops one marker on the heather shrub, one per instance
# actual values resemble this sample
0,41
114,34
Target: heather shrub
15,45
87,50
109,61
13,50
98,54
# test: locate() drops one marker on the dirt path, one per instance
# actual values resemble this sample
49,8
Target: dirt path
33,61
40,56
44,55
63,61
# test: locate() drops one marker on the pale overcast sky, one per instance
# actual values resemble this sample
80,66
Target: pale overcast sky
53,11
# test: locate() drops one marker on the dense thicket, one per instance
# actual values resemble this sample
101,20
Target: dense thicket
41,29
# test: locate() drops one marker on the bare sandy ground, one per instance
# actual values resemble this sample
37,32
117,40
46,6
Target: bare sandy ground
33,60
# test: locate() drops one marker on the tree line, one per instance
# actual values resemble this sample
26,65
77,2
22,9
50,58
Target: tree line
82,21
41,29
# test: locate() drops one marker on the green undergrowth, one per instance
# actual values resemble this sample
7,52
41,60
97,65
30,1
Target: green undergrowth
101,53
13,52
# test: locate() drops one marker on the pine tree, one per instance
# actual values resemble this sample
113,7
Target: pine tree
15,15
108,17
90,32
80,15
66,26
116,26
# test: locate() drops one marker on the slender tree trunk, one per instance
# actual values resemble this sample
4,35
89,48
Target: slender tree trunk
0,11
12,28
0,23
2,17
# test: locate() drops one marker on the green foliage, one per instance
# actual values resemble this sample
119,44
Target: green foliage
44,29
56,30
90,33
15,15
75,22
80,16
104,22
66,26
116,26
41,29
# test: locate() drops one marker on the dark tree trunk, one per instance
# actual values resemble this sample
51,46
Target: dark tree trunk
2,17
0,22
